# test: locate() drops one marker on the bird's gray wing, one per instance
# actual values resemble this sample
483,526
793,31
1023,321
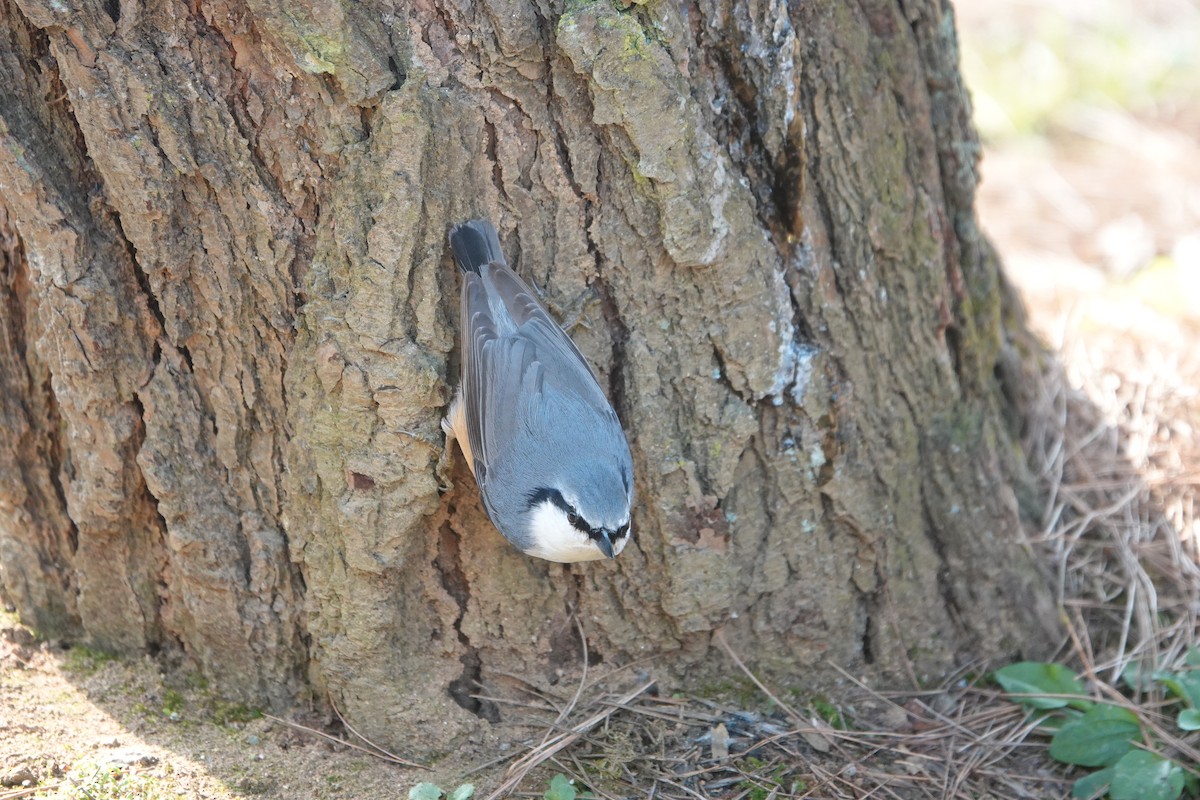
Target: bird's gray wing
566,368
496,370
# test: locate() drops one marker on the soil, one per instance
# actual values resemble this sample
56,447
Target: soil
70,718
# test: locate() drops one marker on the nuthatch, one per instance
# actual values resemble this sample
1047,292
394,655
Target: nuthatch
542,440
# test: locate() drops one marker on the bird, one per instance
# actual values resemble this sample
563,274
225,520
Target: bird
545,445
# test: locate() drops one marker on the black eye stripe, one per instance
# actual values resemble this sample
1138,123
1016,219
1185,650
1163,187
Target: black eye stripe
541,495
544,493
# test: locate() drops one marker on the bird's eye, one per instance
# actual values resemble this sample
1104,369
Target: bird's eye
573,517
623,530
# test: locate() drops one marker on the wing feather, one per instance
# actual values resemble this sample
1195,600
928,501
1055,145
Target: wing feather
567,369
508,362
494,368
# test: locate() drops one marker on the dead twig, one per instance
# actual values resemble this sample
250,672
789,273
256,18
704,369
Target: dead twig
30,791
719,637
373,751
553,745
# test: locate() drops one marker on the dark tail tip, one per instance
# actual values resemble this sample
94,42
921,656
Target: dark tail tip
475,243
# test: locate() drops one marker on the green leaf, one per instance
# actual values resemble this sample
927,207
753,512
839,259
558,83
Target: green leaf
1185,686
560,789
1171,681
1094,785
1051,722
1097,739
464,792
1141,775
1039,678
425,791
1191,688
1136,677
1189,719
1192,659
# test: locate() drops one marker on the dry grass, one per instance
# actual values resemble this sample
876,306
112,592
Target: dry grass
1120,457
963,741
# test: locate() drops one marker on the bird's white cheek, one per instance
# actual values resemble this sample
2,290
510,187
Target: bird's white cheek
555,539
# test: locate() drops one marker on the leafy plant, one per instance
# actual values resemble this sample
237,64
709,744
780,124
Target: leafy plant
173,703
1048,685
85,660
229,714
561,788
92,780
431,791
830,713
1111,738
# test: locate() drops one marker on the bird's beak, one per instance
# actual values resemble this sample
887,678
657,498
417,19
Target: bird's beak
604,542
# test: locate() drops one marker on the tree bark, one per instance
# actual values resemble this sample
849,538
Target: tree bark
229,336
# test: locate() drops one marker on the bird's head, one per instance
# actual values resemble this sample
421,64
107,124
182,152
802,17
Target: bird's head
585,524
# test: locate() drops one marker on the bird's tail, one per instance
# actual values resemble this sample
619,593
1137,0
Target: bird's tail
475,243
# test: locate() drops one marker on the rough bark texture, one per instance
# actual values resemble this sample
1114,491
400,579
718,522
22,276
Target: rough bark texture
228,338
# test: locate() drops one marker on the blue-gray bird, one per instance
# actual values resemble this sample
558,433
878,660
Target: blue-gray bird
545,446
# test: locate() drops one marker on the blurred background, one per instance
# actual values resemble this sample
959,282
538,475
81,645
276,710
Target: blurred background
1090,115
1089,111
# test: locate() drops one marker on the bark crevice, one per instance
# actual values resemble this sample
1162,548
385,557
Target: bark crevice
465,688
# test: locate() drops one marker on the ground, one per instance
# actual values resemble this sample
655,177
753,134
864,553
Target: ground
1091,193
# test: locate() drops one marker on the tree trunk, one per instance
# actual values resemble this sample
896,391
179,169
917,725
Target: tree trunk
229,329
